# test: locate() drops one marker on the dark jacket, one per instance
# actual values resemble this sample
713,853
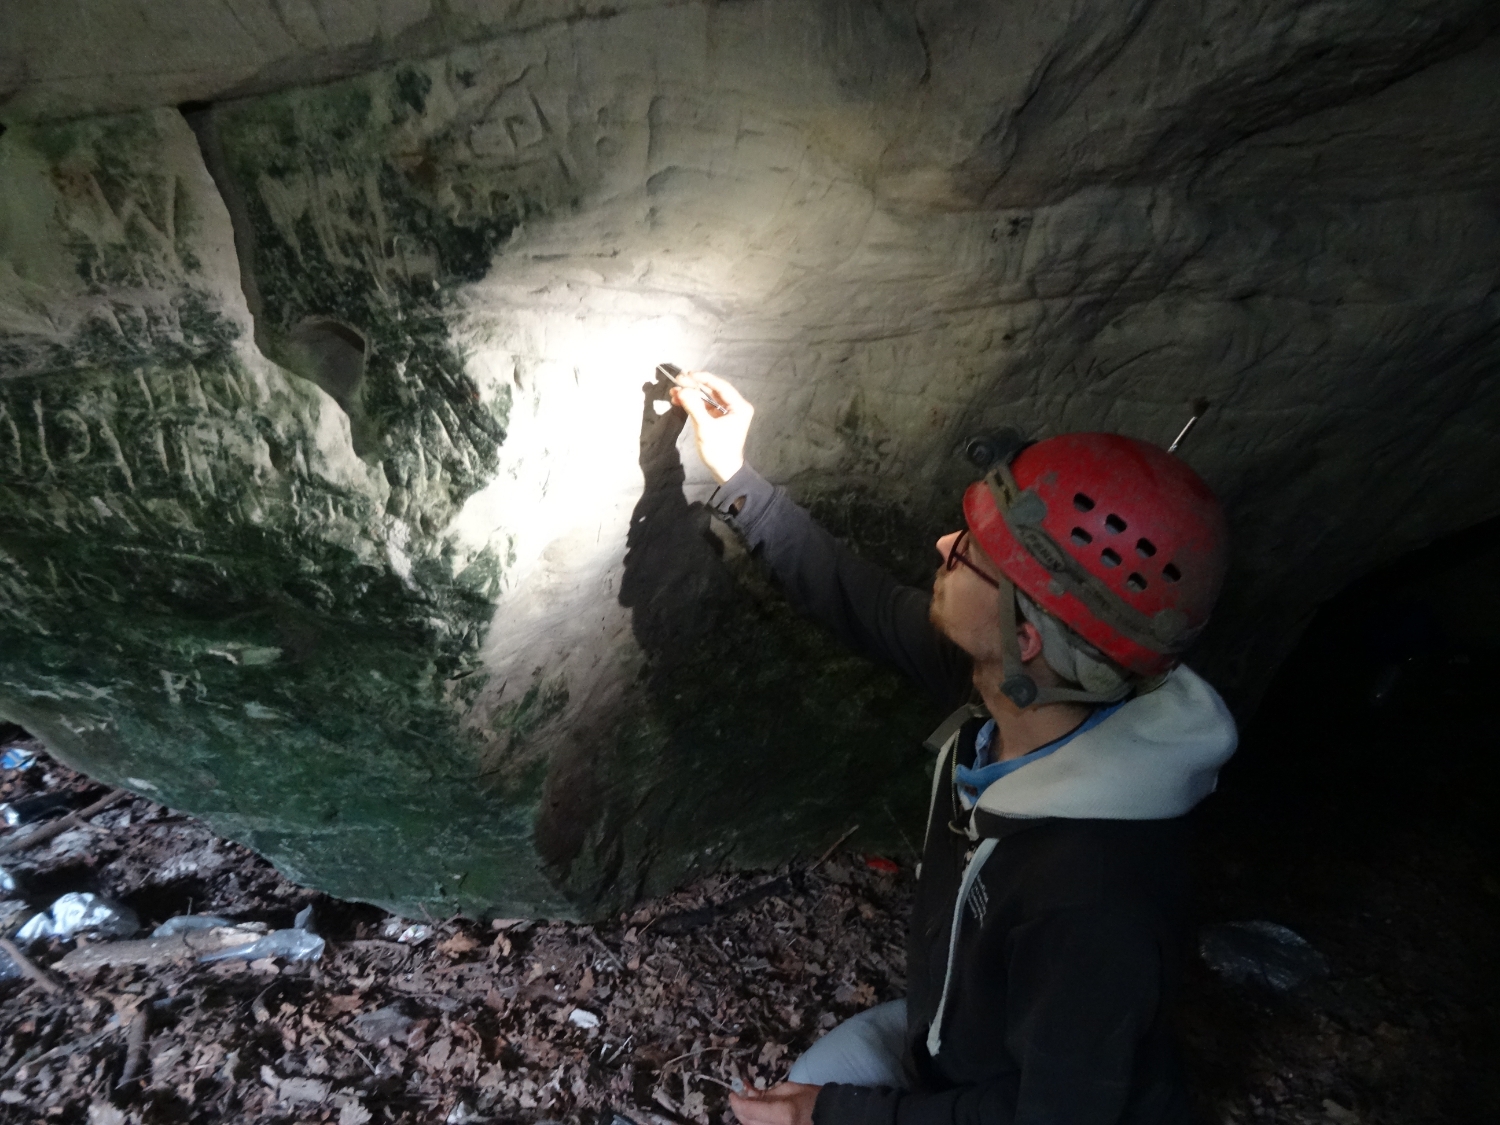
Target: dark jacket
1068,943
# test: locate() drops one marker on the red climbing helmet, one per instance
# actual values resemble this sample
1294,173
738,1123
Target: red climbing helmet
1116,538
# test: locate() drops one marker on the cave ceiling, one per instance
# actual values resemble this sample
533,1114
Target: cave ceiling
337,506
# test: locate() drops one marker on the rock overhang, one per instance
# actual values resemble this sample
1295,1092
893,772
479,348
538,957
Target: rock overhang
330,447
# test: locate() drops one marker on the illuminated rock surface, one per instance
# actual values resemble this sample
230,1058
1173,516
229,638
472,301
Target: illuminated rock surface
333,510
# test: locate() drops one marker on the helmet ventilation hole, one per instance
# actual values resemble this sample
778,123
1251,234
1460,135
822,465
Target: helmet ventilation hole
1081,537
1110,556
1170,572
1136,583
1082,502
1145,548
1114,523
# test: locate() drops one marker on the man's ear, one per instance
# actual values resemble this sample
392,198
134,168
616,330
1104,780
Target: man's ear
1031,641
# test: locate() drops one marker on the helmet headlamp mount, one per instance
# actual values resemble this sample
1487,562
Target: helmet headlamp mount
985,451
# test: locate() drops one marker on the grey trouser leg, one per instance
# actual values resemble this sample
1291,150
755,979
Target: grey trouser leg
864,1050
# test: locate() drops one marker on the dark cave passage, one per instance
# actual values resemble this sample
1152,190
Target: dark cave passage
1360,812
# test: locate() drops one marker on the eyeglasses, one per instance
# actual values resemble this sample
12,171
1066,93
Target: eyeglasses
957,555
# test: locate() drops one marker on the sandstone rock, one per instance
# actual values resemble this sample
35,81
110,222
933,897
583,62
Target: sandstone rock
335,510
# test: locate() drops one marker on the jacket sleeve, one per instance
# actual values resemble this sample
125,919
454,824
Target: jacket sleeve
862,604
1084,986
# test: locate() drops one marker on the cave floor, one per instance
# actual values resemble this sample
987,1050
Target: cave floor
653,1014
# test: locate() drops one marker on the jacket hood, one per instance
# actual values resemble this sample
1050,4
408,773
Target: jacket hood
1153,759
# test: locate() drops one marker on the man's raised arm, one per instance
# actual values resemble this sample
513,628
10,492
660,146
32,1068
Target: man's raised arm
861,603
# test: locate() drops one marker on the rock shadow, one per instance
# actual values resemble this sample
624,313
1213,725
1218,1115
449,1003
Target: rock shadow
677,588
675,583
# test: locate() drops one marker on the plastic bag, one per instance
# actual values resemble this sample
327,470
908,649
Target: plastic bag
414,933
289,945
187,923
17,758
81,912
1260,953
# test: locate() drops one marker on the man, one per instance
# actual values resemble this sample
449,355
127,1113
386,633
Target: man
1049,909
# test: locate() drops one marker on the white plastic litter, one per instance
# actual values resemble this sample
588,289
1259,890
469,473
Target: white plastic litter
289,945
187,923
415,934
80,912
578,1017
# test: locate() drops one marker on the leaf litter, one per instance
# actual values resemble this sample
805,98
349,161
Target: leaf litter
654,1015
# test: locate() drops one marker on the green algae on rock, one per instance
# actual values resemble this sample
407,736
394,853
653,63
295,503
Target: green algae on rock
206,593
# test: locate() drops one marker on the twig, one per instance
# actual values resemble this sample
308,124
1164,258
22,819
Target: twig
701,1051
707,1078
373,1069
24,963
682,922
833,848
620,1050
135,1044
664,1099
38,1056
593,937
58,827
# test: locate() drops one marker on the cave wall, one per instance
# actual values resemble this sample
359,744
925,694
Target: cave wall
335,510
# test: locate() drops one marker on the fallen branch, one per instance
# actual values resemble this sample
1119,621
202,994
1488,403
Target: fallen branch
56,1052
135,1044
26,966
58,827
187,946
686,920
40,1049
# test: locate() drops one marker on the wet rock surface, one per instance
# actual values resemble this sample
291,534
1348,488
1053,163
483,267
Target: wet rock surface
322,406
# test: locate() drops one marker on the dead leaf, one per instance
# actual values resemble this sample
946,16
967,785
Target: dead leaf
586,985
294,1090
458,943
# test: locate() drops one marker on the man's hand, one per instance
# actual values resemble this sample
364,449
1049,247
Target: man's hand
790,1103
721,435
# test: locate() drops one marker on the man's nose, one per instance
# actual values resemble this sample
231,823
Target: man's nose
945,544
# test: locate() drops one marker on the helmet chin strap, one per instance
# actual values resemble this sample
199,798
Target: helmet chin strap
1020,688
